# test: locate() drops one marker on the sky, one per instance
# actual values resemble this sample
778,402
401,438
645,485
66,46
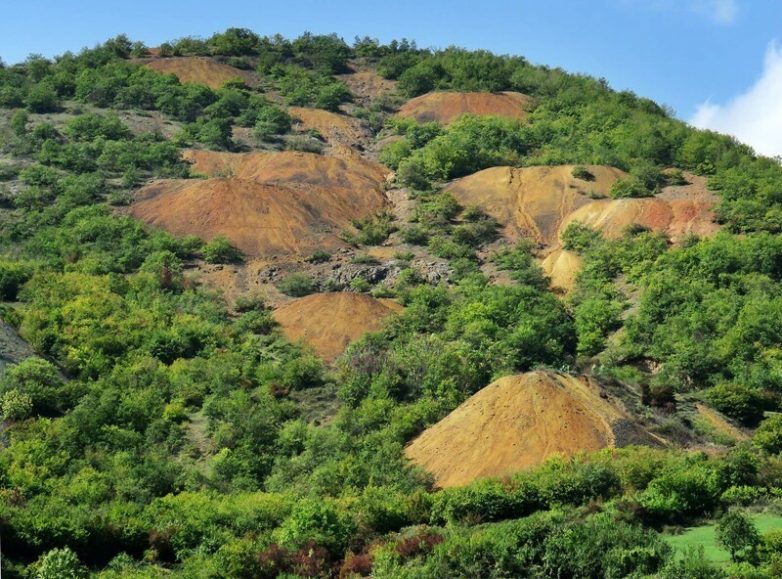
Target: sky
716,63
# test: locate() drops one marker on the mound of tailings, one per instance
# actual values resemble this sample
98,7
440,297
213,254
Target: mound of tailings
445,107
561,267
516,423
200,70
329,322
532,202
267,204
677,211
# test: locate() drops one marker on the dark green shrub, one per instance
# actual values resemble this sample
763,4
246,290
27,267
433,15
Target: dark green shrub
297,285
581,172
744,403
221,250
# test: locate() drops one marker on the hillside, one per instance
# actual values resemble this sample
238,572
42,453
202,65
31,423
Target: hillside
304,308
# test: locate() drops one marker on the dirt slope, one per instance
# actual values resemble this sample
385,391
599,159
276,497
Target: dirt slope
267,204
562,266
200,70
516,423
329,322
345,136
445,107
531,202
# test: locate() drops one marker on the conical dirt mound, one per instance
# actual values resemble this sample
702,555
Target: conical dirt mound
516,423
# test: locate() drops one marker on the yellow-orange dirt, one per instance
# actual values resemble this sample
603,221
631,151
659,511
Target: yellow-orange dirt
329,322
445,107
516,423
267,204
532,202
562,267
200,70
345,135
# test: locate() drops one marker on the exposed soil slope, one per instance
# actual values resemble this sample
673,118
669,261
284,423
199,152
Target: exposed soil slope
516,423
677,211
345,136
532,202
329,322
445,107
267,204
200,70
562,266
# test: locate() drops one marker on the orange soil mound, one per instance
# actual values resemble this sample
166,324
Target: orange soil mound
562,266
198,69
516,423
445,107
329,322
677,211
531,202
266,203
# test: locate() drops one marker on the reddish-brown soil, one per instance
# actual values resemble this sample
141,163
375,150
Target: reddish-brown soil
329,322
445,107
199,70
267,204
516,423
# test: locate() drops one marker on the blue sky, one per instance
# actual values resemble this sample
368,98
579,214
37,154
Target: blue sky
697,56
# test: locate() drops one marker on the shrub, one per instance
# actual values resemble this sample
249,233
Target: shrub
40,381
42,98
629,187
740,402
297,285
12,277
59,564
581,172
319,256
317,521
768,436
16,405
371,230
578,237
271,121
221,250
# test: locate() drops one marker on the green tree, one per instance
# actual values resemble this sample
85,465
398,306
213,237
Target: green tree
768,436
737,533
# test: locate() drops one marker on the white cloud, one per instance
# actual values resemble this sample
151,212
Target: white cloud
754,117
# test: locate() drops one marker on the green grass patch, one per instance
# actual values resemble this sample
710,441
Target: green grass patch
703,536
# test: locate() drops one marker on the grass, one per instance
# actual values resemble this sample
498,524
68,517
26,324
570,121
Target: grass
703,536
